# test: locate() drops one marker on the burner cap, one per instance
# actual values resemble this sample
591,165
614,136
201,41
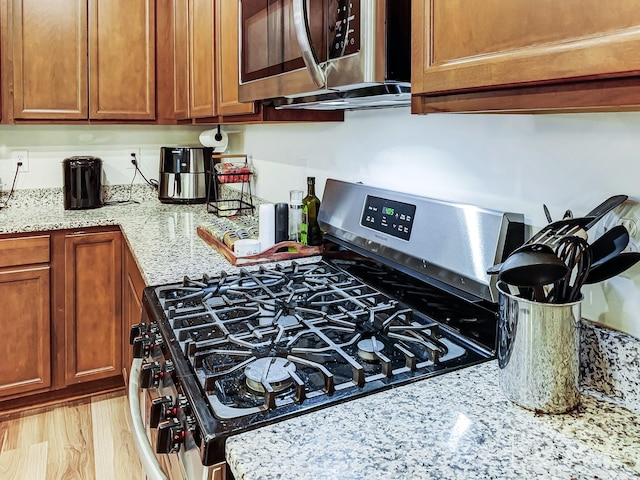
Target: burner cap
275,370
367,347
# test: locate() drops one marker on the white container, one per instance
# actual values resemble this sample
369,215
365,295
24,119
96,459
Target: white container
538,353
246,247
267,225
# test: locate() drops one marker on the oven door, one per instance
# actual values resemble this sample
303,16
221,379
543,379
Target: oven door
278,39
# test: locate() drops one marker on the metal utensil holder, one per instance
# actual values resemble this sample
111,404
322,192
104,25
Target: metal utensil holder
230,202
538,352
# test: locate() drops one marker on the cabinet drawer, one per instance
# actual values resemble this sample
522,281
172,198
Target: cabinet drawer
24,251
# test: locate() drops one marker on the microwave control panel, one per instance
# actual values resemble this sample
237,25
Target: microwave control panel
388,216
344,27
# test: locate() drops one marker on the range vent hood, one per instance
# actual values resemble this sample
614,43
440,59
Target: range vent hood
362,97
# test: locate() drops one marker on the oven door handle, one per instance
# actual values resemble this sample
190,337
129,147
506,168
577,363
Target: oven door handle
300,24
147,456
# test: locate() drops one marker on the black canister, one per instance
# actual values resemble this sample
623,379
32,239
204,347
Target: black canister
282,222
82,182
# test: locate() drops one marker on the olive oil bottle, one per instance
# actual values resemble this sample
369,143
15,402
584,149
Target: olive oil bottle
310,233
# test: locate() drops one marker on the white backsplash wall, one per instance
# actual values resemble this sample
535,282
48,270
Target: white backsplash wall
512,162
49,145
507,162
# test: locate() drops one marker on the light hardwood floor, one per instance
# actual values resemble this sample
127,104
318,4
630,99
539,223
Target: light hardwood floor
82,440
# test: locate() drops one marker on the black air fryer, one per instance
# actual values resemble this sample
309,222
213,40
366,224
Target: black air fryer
82,182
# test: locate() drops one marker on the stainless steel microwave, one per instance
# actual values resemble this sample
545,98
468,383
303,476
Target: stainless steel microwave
325,54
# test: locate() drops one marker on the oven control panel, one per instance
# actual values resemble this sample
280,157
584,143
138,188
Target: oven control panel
388,216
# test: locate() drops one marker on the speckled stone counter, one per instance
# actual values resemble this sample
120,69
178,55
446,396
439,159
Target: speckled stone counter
455,426
162,237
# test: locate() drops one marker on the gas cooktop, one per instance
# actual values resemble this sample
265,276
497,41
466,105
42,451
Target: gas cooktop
270,343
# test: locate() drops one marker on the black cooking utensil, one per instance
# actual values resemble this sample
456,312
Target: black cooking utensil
569,226
559,228
531,267
547,237
574,251
610,244
612,267
604,208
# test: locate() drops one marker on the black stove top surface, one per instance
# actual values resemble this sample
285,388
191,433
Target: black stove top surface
254,347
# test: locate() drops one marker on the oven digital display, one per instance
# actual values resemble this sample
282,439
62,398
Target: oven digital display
388,216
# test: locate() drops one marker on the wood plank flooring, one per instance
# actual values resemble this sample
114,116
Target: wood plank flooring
82,440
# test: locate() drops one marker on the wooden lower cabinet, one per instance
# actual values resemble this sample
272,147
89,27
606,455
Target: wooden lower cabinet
25,319
62,318
25,326
92,306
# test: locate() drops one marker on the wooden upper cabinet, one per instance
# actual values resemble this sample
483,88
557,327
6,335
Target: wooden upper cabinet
84,59
228,67
122,59
198,60
471,46
50,59
202,58
180,54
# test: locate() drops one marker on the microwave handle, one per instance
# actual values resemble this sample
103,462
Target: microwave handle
147,457
300,24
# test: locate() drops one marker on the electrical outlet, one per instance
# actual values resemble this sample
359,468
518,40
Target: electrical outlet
20,156
129,157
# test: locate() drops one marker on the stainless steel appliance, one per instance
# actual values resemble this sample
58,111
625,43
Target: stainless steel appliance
82,182
185,174
326,54
400,295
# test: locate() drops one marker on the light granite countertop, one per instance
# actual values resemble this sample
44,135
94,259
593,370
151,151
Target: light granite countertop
162,237
455,426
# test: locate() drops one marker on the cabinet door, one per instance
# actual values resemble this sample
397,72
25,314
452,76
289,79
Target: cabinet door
93,306
50,59
180,47
466,45
202,58
132,306
25,322
227,60
122,59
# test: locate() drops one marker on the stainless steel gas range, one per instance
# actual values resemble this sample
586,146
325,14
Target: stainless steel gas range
400,295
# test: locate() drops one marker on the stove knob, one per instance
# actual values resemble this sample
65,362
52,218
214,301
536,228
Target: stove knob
150,375
137,331
161,409
142,346
170,436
